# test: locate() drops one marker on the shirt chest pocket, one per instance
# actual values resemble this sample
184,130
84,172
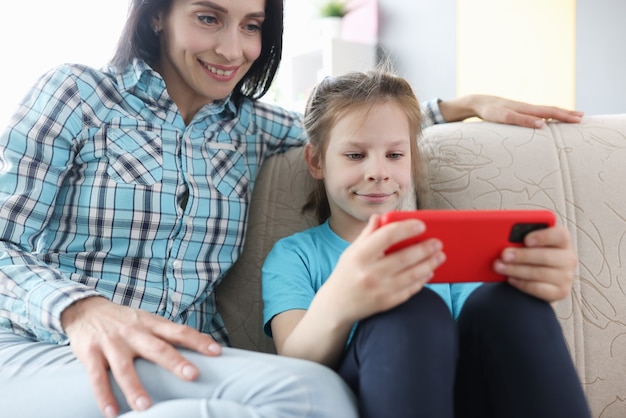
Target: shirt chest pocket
228,170
135,157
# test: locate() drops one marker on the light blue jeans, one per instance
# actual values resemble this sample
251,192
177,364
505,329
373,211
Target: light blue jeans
45,380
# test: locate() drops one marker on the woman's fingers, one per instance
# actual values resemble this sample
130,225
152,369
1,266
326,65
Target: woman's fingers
107,336
122,365
184,336
97,371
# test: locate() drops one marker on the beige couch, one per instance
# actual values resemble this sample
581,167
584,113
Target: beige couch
579,171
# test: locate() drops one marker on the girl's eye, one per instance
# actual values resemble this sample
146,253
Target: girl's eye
354,156
208,19
394,155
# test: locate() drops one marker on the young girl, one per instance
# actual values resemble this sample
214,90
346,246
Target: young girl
504,356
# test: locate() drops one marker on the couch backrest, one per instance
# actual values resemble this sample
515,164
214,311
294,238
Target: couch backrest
576,170
275,212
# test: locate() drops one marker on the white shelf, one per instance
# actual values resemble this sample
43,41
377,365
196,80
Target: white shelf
335,57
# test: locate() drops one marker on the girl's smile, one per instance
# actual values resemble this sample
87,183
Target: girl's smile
374,198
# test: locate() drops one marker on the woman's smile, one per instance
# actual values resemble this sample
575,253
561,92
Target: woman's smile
220,73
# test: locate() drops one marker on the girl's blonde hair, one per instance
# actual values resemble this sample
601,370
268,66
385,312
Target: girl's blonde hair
333,97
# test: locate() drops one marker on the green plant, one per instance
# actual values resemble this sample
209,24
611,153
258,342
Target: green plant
333,8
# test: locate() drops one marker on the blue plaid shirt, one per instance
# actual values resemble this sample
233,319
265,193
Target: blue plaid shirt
104,191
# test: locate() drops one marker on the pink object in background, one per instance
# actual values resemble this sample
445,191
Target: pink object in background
361,23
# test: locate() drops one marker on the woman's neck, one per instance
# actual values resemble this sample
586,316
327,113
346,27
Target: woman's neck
187,104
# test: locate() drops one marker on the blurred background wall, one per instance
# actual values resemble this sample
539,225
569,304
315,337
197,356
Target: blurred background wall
568,53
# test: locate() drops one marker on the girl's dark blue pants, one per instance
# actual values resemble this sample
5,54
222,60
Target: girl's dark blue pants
505,356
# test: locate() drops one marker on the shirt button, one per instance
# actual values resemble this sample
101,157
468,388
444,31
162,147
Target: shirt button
177,264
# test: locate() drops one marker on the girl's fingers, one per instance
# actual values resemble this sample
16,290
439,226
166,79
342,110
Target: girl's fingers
554,237
383,237
541,290
549,278
540,257
427,255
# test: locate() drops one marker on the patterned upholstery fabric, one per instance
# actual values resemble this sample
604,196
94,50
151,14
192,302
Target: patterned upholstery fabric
576,170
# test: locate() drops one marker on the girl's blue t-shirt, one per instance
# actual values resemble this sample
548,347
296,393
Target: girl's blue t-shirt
298,265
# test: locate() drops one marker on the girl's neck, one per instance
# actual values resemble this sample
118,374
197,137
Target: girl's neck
347,227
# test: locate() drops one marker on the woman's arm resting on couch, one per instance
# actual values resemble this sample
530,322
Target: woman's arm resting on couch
501,110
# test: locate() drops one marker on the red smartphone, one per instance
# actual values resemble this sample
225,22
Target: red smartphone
472,239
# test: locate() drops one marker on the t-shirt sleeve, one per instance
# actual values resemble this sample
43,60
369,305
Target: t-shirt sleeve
286,281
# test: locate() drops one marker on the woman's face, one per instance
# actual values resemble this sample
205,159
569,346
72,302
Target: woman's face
207,46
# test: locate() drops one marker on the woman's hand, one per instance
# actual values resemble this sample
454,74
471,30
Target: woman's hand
367,281
498,109
104,335
543,268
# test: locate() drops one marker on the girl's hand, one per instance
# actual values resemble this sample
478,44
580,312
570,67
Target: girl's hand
367,281
500,110
545,267
104,335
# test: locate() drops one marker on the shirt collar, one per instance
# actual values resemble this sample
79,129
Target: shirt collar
141,80
139,77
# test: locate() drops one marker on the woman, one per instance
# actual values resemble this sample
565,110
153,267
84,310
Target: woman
123,202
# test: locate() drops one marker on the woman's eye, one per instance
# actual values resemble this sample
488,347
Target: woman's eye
252,27
208,19
394,155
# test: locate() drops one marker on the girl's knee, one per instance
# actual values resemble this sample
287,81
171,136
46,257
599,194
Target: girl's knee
423,318
495,305
425,307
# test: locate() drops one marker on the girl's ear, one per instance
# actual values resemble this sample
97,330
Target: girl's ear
313,162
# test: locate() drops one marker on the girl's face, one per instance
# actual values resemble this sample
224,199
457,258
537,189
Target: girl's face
366,167
207,46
